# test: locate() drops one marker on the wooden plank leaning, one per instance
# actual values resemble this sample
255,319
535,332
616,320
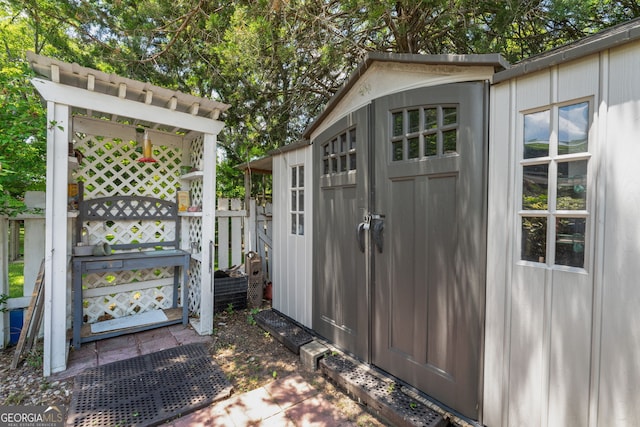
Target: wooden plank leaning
32,319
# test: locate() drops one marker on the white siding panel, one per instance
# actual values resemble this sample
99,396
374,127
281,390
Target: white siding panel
527,374
534,91
620,361
578,79
498,253
292,254
570,349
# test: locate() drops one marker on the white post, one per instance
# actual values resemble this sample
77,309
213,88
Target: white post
205,326
250,229
56,261
4,277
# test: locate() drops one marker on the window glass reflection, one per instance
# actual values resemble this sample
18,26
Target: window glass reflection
570,241
572,185
536,134
535,183
573,128
534,239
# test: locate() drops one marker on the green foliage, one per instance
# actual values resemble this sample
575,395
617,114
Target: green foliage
275,62
22,133
3,302
251,316
229,308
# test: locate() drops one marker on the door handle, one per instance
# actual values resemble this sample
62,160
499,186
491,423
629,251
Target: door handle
378,228
360,234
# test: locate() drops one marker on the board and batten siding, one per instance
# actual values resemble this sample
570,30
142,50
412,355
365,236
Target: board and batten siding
292,254
562,344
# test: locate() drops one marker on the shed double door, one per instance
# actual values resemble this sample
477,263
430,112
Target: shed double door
418,197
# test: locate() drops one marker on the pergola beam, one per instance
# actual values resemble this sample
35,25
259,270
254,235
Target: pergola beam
80,98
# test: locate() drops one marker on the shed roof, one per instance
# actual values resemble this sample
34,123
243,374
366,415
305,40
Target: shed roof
495,60
265,164
145,93
606,39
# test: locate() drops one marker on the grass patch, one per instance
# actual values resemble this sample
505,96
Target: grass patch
16,279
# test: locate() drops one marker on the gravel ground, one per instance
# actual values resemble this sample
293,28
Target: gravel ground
248,355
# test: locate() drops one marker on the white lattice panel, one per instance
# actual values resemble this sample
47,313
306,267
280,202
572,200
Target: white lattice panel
194,287
195,193
110,167
195,227
197,153
127,303
120,232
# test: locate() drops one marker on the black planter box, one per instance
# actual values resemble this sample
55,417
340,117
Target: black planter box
229,290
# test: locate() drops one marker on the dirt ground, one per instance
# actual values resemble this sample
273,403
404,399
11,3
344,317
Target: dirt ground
247,354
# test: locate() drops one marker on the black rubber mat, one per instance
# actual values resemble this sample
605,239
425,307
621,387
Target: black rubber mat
282,329
382,394
147,390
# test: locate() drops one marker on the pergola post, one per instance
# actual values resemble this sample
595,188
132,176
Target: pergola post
56,258
205,325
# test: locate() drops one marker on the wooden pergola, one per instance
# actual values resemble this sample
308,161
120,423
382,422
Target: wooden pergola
80,98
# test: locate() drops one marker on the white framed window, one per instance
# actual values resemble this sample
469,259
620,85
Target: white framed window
297,200
554,167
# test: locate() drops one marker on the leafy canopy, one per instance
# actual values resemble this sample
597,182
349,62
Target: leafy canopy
277,62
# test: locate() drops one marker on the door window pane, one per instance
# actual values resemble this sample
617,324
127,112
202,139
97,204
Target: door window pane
431,144
301,200
534,239
414,121
430,118
572,185
537,128
414,148
343,163
573,128
294,200
396,148
294,223
301,224
449,116
535,182
397,126
570,241
352,139
449,141
436,125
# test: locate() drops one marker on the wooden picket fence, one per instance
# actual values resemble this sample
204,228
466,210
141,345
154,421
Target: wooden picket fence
239,231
